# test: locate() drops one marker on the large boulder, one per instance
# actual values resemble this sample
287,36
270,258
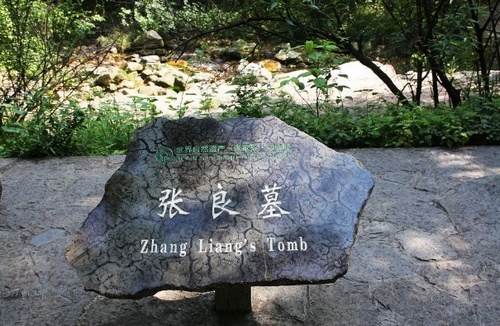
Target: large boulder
148,40
199,204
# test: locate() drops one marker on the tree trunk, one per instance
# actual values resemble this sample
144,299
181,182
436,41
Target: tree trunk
420,72
435,90
377,71
484,75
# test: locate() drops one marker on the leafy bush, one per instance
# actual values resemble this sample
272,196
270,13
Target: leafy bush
107,129
166,17
73,130
322,59
149,15
475,123
44,133
39,69
38,41
486,120
250,100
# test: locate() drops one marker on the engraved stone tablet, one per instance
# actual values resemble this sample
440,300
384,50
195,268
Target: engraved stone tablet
200,204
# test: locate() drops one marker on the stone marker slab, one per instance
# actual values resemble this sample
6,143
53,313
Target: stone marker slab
201,204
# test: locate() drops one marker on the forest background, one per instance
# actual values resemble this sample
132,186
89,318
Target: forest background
42,56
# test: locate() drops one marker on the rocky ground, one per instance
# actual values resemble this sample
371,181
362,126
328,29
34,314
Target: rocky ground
427,250
203,82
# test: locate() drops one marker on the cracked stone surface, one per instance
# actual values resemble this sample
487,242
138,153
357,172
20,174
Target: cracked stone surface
200,204
450,196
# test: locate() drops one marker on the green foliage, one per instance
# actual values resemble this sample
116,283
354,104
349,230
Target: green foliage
47,133
474,122
38,66
167,17
33,29
117,38
486,119
149,15
454,41
250,100
72,130
323,59
107,129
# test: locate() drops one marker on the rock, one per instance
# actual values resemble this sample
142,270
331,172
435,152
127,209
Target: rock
271,65
149,90
136,57
154,78
424,246
289,56
200,203
202,77
128,91
150,59
151,62
147,73
112,87
130,84
171,81
178,63
238,50
246,69
105,76
356,71
47,237
172,77
164,75
149,40
120,77
133,66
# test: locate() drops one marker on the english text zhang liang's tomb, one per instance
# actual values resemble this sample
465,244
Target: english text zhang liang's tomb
201,204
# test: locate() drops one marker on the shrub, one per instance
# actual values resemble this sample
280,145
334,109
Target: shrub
166,17
74,130
38,70
250,100
45,133
107,129
397,126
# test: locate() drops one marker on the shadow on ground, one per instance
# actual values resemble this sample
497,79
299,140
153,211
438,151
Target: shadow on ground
427,250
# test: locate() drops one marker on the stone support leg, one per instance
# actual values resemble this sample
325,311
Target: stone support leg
237,298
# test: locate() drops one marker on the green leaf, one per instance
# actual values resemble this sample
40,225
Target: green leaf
309,47
316,72
297,82
15,130
320,82
284,82
331,47
304,74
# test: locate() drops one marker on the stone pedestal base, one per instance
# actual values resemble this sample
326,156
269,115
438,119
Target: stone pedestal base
237,298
